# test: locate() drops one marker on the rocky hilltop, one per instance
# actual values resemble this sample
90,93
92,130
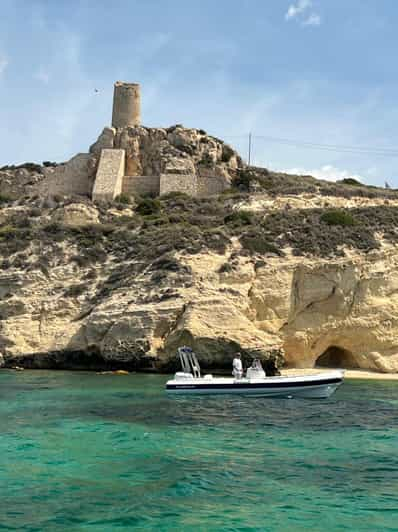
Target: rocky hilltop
291,268
173,150
155,161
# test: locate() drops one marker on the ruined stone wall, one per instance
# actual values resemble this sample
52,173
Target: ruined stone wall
158,185
178,183
72,177
141,185
109,178
206,186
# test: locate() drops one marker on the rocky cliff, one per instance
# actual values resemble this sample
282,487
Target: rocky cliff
173,150
283,266
188,159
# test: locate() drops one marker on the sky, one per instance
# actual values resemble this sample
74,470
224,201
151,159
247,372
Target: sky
314,81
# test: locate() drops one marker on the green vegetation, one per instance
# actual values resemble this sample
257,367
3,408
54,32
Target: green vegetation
238,218
123,199
148,206
8,232
227,153
174,195
5,199
257,243
75,290
351,181
242,180
227,267
206,160
160,228
338,217
31,167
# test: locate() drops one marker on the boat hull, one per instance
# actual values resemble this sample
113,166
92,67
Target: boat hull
270,387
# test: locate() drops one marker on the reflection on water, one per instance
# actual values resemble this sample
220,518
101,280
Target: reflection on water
80,451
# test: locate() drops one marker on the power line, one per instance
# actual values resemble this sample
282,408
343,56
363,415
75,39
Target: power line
332,147
359,150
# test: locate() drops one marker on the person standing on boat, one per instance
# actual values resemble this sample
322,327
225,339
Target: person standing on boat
237,369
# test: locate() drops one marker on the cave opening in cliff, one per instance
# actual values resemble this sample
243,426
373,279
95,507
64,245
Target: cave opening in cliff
336,357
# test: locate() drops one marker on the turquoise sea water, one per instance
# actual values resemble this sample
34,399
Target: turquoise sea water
80,451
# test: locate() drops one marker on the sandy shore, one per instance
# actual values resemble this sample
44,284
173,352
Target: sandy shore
349,373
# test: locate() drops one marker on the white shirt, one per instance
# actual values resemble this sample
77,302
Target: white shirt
237,364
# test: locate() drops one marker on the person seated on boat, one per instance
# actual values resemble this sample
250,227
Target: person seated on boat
237,369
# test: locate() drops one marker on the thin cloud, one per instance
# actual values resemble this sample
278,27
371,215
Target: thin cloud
3,64
300,12
297,9
327,172
43,75
313,20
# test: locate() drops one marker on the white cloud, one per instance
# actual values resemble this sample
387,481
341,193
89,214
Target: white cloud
299,11
3,64
327,172
296,9
313,20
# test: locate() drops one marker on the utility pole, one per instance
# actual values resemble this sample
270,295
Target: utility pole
250,148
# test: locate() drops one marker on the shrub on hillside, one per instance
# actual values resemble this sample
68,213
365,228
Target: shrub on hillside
169,263
206,160
227,267
350,181
174,195
148,206
91,275
75,290
53,228
8,232
34,212
123,198
227,153
155,219
32,167
242,180
258,243
237,218
90,255
13,239
4,198
5,264
337,217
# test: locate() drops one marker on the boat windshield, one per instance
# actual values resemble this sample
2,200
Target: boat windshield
189,362
256,364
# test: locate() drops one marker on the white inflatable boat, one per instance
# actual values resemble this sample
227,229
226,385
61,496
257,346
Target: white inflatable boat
255,382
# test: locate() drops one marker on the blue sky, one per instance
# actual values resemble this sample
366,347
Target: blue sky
320,71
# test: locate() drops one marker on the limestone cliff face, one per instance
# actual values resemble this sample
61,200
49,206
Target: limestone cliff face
59,309
341,312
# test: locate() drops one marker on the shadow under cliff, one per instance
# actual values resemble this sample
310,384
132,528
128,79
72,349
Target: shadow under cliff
76,360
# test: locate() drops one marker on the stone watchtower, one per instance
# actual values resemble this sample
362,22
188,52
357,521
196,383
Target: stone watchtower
111,168
126,105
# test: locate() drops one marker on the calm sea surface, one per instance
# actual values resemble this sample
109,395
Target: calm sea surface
80,451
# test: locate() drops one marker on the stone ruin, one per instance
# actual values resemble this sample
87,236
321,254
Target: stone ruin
131,159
